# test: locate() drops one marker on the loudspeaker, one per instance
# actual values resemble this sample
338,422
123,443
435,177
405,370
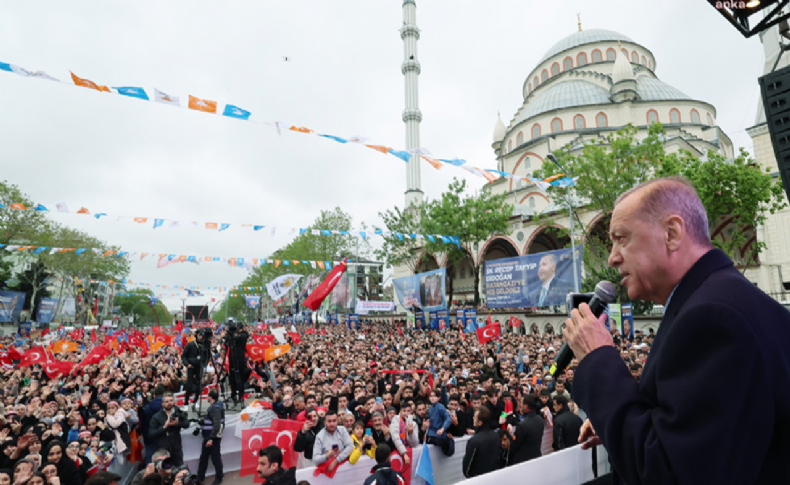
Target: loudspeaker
775,88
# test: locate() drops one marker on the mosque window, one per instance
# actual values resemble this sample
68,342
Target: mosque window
610,54
674,116
635,57
579,122
601,121
695,116
567,64
625,53
544,76
536,82
529,88
520,139
556,125
710,120
581,59
535,131
652,117
596,56
532,202
555,69
644,61
526,163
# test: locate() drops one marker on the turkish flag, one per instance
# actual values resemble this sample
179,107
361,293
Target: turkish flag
77,334
96,355
278,424
324,468
252,441
284,439
484,334
273,352
256,351
317,296
295,337
165,339
398,464
263,339
515,322
137,340
58,368
14,354
36,355
488,320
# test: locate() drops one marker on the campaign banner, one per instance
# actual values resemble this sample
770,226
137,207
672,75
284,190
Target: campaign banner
69,308
332,319
279,286
459,318
11,304
615,317
444,319
342,297
365,307
24,329
419,321
352,321
289,320
423,291
628,321
253,301
470,319
46,310
542,279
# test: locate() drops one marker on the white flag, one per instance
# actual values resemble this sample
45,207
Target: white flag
62,207
161,97
279,334
279,286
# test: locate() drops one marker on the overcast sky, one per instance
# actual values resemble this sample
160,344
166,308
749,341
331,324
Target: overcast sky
123,156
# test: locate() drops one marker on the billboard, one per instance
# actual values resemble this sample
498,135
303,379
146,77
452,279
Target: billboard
423,291
627,315
542,279
46,310
11,303
342,297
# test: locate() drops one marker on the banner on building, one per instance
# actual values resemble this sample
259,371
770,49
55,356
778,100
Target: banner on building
459,318
11,304
253,301
365,307
332,318
423,291
615,317
628,320
542,279
46,310
352,320
470,319
69,309
23,332
419,320
342,298
443,317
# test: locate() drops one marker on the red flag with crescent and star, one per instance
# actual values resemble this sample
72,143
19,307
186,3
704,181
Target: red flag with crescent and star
257,351
317,296
96,355
398,464
36,355
484,334
58,368
285,437
252,441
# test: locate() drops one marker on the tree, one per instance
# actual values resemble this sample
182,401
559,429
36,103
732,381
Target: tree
18,226
473,219
33,282
136,303
398,249
605,170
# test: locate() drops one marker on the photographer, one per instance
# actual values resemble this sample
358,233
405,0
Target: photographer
166,426
213,426
238,372
193,361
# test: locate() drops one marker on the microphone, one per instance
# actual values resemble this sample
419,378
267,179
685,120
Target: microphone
605,293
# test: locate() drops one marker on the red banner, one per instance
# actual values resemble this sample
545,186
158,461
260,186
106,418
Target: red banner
314,300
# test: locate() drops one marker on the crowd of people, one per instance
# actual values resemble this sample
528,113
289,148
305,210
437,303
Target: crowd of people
355,391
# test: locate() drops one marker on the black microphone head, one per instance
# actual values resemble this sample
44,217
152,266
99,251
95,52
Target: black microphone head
605,292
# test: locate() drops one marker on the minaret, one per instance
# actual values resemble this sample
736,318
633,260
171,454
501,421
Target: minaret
411,115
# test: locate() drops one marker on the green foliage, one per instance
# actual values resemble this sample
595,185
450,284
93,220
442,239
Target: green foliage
33,283
18,226
397,251
136,304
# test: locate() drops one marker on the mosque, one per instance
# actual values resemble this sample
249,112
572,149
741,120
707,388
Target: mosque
585,87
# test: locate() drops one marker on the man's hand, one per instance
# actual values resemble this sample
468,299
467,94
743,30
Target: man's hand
585,333
332,453
440,431
208,444
587,436
406,460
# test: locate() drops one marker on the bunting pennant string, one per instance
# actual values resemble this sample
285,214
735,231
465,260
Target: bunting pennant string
155,223
232,111
165,259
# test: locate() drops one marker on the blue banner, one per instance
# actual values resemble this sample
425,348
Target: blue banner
253,301
23,332
11,304
419,320
627,316
542,279
423,291
46,310
470,318
332,318
444,319
459,319
353,321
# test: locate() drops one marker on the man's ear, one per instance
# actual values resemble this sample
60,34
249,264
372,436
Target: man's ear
674,232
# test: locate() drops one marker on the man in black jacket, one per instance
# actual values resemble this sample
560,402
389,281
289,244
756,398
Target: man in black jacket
718,328
190,357
305,438
270,461
566,425
382,473
165,430
528,435
482,450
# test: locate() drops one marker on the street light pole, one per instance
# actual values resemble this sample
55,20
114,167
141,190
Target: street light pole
568,194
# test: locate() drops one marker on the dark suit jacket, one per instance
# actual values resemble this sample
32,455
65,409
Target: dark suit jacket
566,430
527,439
482,453
713,402
556,294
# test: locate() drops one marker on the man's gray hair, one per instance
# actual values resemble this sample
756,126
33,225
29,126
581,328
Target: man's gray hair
675,195
160,454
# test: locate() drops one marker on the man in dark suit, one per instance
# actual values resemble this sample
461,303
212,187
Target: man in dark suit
552,290
681,422
482,450
566,424
528,434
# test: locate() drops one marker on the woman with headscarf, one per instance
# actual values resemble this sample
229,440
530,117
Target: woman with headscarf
83,464
116,421
68,472
5,476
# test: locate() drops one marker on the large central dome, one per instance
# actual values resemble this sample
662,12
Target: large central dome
584,37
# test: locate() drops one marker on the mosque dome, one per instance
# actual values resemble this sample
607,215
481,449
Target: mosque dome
584,37
565,95
499,129
622,71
